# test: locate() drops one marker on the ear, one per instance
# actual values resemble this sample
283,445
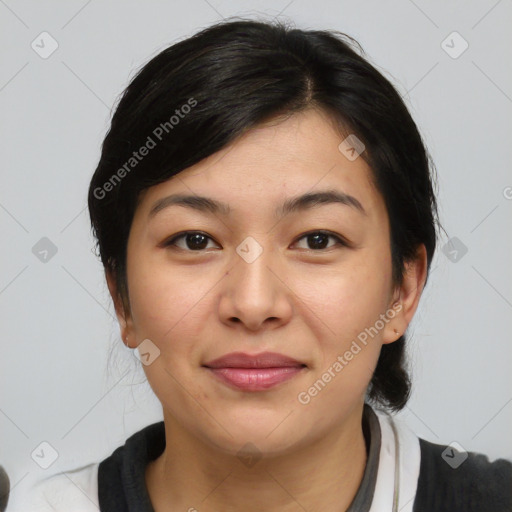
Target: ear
122,313
406,297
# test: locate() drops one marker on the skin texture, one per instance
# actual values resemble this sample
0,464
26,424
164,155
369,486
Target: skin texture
305,302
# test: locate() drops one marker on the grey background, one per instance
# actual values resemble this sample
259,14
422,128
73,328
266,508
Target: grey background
65,376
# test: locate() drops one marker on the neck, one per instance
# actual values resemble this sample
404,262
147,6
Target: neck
323,475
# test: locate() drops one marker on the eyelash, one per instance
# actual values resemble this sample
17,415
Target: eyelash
340,241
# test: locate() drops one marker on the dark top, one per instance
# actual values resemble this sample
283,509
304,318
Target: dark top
476,485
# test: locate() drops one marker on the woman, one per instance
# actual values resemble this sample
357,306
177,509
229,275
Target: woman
265,215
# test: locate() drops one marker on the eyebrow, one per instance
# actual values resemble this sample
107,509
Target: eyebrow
294,204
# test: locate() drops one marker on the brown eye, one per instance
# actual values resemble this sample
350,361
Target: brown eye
193,241
319,240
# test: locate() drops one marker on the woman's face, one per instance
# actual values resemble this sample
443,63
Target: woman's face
253,282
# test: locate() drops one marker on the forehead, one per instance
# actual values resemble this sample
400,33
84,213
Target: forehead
274,161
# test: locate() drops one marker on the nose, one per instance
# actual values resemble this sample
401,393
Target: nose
254,291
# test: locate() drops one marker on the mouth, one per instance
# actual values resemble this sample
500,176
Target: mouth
254,372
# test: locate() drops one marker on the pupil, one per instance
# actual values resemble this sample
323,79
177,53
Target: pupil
316,237
197,243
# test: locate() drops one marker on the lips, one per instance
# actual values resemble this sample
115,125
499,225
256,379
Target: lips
254,372
263,360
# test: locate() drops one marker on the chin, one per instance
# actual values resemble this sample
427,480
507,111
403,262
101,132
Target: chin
269,435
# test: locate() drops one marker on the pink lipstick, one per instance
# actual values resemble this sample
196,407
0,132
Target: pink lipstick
254,372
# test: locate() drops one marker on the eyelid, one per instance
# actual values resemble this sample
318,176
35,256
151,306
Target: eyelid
168,242
340,239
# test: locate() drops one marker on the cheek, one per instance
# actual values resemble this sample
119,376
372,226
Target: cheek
353,297
162,298
168,307
347,356
350,304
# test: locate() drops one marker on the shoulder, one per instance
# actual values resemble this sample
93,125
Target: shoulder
63,492
454,480
121,476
